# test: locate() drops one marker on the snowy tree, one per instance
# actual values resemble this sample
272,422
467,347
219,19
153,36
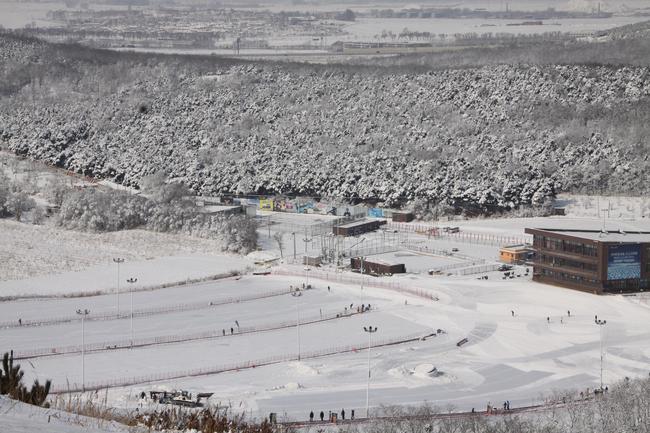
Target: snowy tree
4,192
278,237
19,203
55,191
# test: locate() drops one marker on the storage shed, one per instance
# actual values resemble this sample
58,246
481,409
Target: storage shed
357,227
403,217
377,267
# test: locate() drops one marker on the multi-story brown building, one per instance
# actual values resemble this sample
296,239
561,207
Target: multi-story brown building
592,260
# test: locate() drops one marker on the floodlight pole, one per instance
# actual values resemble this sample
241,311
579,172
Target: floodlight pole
307,269
83,314
118,260
297,294
306,240
132,281
601,324
361,272
370,330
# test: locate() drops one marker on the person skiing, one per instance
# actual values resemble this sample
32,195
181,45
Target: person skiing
223,331
568,313
343,414
322,415
352,414
548,320
311,416
232,331
328,288
512,312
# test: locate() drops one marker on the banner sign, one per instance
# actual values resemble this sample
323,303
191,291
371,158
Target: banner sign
623,262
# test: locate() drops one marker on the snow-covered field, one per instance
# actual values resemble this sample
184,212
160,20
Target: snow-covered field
516,358
65,261
507,357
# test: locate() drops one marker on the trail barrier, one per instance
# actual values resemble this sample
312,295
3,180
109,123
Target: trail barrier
178,338
205,371
354,279
143,312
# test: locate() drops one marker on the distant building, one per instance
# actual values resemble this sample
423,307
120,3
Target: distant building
403,217
221,210
591,260
515,254
376,266
357,228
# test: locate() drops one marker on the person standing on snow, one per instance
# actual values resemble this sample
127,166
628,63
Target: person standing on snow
311,416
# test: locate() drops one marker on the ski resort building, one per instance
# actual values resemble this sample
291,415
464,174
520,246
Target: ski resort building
375,266
357,228
592,260
515,254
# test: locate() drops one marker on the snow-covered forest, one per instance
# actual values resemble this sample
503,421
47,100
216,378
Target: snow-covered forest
479,139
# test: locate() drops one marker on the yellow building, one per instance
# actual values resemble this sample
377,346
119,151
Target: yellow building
514,254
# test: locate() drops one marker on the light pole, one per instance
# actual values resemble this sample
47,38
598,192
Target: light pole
601,324
297,294
306,240
370,330
83,314
118,260
132,281
307,269
294,246
361,256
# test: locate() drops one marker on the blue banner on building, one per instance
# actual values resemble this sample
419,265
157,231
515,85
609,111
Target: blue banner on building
624,262
376,212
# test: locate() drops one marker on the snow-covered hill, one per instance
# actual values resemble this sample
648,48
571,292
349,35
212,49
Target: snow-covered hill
17,417
481,139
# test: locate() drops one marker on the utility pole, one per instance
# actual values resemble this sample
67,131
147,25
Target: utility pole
297,294
132,281
118,260
307,269
83,314
306,240
361,272
370,330
601,324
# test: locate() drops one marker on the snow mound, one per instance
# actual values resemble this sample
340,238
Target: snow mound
420,371
304,369
400,371
291,386
262,256
426,370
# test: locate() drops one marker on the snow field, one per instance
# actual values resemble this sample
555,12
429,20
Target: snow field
61,261
515,358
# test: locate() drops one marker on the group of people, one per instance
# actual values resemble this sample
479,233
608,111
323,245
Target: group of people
322,415
493,410
548,318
